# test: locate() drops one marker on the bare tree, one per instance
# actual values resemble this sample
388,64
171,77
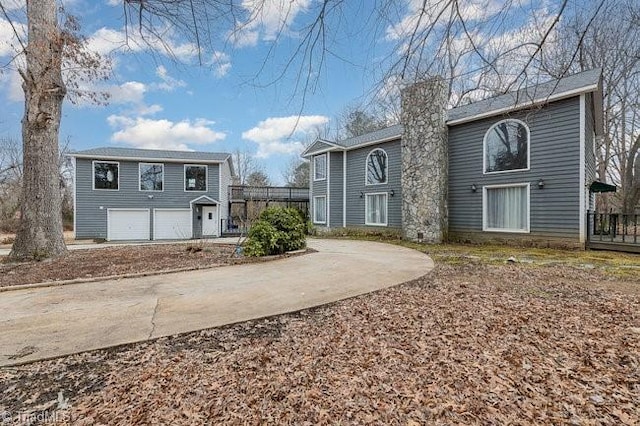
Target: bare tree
609,41
296,173
258,178
244,165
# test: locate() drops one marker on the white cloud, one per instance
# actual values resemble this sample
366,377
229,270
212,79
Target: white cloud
221,63
10,5
108,40
143,132
168,83
9,44
114,2
268,18
283,135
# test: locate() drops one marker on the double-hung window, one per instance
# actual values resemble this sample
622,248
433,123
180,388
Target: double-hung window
106,175
195,177
151,176
320,167
320,209
506,208
376,209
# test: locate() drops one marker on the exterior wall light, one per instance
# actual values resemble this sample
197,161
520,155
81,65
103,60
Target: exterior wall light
361,194
541,183
392,193
474,188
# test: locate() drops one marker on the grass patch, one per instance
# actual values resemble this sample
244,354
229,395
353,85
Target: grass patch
615,264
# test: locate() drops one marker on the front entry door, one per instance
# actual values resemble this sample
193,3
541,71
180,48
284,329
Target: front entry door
210,221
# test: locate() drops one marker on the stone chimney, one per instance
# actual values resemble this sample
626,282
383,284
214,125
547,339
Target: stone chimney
424,161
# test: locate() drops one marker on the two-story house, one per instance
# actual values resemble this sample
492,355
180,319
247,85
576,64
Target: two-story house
140,194
514,167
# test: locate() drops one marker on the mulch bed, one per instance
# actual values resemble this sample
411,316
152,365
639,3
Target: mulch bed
121,260
468,344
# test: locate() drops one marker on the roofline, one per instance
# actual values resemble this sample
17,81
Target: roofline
156,159
321,151
373,142
324,141
554,97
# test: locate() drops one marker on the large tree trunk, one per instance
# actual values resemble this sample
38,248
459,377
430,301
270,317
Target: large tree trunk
40,233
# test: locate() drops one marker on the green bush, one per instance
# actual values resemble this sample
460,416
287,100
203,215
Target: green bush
277,230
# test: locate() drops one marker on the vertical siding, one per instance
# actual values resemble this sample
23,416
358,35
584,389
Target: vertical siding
336,192
226,178
589,149
318,188
92,205
356,169
554,157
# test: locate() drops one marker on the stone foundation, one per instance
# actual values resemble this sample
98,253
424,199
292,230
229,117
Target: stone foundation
424,161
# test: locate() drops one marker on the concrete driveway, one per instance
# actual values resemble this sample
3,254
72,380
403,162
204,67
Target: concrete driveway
53,321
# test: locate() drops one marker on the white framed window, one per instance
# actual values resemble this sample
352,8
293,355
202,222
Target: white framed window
195,177
506,147
376,167
506,208
375,209
151,176
320,209
320,167
106,175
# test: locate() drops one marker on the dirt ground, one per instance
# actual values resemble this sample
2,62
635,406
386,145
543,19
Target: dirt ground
103,262
470,343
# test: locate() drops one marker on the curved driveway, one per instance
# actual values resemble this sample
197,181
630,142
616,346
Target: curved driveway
53,321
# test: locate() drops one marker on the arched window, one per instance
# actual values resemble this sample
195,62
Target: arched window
506,147
376,167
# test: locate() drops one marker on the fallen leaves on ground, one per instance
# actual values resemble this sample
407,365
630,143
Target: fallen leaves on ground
121,260
468,344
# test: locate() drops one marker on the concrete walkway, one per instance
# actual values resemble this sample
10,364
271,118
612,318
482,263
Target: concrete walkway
53,321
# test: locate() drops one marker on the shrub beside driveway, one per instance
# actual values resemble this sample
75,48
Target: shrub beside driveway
474,342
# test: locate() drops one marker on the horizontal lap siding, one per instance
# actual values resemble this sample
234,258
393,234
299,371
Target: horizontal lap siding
336,182
91,220
554,157
356,165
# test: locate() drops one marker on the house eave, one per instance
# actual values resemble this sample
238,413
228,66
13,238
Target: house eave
528,104
150,159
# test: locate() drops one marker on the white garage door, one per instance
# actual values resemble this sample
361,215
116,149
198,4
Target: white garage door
128,224
171,224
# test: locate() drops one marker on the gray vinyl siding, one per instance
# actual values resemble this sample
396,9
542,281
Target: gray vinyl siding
336,182
318,187
554,157
92,205
356,165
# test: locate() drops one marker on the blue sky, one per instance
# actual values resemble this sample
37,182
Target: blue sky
225,104
219,106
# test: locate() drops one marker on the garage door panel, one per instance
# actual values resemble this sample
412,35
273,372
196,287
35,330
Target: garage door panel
128,225
172,224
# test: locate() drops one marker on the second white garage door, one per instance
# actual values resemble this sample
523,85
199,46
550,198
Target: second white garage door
172,224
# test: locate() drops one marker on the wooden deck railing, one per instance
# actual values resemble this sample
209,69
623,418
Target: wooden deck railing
267,193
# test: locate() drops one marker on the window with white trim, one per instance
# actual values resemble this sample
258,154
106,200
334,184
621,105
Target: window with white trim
320,167
377,167
376,209
195,177
320,209
506,147
106,175
151,176
506,208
